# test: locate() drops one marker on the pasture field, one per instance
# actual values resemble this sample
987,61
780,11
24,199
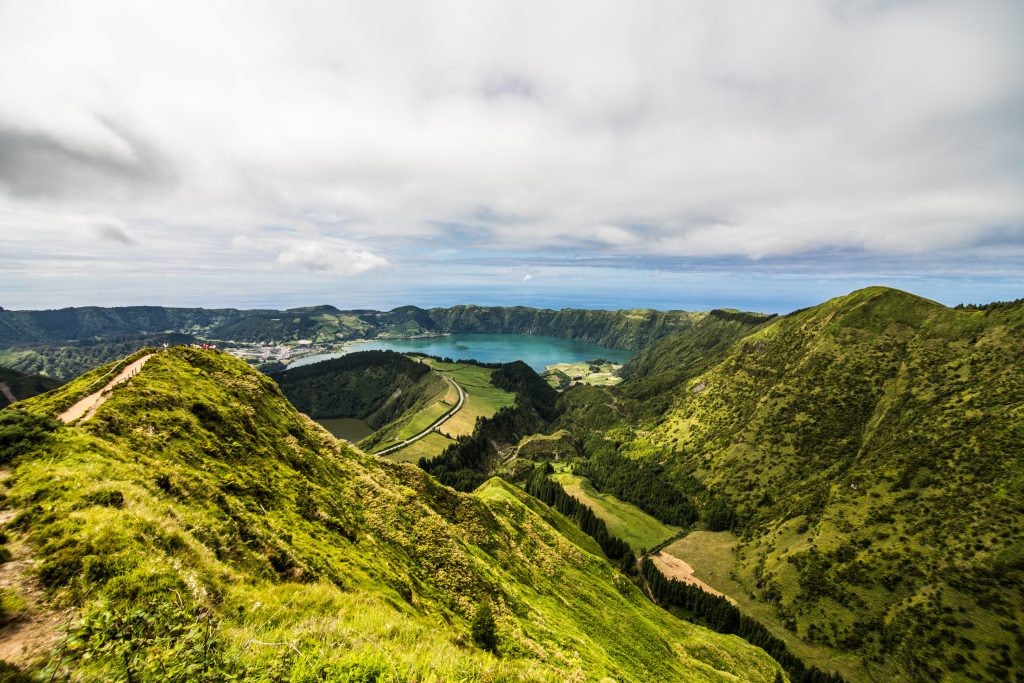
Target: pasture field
563,375
712,556
625,521
482,400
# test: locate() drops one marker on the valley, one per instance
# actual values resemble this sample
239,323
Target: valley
775,464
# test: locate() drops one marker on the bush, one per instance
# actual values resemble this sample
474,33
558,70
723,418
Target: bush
484,629
21,431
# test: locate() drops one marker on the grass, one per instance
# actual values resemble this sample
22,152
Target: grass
563,375
427,447
482,400
625,521
203,529
712,556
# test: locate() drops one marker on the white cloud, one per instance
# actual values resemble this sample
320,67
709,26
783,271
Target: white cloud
316,258
378,131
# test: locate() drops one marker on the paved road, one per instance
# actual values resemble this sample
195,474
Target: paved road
437,423
88,406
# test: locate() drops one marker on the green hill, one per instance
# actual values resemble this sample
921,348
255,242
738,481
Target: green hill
200,528
870,450
378,386
21,386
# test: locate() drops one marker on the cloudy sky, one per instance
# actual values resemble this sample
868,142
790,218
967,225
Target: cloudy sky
676,154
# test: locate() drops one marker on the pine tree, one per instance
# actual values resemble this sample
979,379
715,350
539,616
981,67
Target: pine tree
484,629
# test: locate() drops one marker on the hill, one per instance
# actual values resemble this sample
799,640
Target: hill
378,386
199,528
16,386
867,452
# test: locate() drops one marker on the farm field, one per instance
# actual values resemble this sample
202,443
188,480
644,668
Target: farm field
625,521
563,375
482,400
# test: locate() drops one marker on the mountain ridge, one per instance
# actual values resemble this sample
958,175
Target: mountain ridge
198,500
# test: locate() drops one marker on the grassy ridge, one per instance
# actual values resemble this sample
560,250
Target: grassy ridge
870,446
203,529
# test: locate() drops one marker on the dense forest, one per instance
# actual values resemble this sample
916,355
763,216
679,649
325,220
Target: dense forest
377,386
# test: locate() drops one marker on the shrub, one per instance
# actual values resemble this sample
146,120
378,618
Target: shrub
484,629
21,431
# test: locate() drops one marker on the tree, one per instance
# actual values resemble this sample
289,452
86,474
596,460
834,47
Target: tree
484,630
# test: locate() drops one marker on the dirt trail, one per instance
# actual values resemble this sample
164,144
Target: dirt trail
88,406
674,568
34,631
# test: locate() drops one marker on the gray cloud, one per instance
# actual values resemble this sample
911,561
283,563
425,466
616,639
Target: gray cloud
660,132
113,233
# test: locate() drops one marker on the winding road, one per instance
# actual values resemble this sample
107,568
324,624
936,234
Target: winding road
437,423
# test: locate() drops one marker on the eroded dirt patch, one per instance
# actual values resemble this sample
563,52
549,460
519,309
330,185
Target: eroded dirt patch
674,568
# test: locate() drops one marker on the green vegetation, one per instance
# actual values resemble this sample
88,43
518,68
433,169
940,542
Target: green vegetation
482,400
543,489
712,554
378,386
719,614
596,372
67,361
203,529
472,459
22,386
867,451
628,522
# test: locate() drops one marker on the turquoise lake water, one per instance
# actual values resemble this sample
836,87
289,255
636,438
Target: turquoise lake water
537,352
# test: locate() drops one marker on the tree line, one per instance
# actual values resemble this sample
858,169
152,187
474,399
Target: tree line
718,614
543,489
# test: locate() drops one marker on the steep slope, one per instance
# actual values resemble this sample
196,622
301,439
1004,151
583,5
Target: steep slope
871,447
655,374
204,529
630,329
378,386
15,386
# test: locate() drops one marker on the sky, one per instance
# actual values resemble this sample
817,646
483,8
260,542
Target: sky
677,154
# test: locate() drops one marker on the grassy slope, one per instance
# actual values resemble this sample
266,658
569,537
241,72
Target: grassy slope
873,444
482,400
625,521
252,542
712,554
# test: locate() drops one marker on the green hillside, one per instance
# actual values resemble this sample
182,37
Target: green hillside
378,386
870,449
21,386
200,528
